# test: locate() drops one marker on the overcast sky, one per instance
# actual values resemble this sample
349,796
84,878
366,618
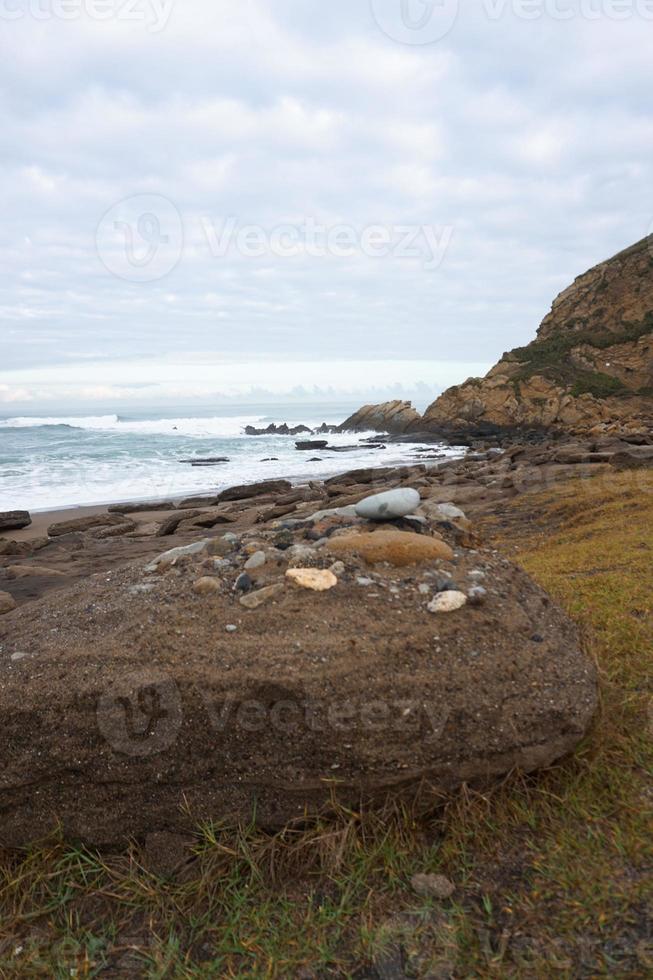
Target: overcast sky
190,187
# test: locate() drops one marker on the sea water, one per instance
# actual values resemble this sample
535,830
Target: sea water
48,462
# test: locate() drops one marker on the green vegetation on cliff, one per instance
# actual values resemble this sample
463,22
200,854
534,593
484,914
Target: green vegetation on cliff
551,357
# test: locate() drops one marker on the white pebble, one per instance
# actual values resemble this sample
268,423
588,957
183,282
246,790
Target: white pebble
446,602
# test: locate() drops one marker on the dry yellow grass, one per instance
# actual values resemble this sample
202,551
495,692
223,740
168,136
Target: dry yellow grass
552,871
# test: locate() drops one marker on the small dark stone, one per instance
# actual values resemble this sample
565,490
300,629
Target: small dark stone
283,540
477,595
536,638
243,583
445,584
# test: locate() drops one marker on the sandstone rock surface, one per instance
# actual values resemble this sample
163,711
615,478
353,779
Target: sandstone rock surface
154,713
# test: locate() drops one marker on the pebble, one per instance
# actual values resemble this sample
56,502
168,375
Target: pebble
300,553
446,602
315,579
168,558
432,886
477,574
258,598
338,569
220,564
220,547
477,595
231,628
361,580
389,505
256,561
283,540
206,586
243,583
7,603
444,583
319,515
424,589
450,511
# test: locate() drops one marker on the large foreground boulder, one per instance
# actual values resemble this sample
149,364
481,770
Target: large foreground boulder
135,703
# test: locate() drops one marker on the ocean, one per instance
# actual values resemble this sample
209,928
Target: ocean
50,462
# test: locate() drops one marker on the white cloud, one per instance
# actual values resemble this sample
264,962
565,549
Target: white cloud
533,141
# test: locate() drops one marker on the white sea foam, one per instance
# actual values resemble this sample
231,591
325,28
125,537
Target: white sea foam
52,462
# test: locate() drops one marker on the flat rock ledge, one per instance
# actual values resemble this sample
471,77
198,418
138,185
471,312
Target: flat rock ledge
132,704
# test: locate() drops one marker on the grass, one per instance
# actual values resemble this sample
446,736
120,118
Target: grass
552,871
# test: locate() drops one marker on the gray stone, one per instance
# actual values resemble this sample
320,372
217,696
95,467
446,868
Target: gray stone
257,560
432,886
349,511
477,595
450,512
221,547
388,505
170,557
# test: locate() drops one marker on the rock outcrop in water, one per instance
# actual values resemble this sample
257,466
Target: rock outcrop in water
395,417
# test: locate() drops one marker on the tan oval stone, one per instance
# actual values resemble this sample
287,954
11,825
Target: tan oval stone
206,586
316,579
395,547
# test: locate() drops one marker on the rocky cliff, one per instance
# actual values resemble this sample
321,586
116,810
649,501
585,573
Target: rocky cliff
589,368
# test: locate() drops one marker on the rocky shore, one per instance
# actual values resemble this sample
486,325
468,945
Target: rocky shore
376,643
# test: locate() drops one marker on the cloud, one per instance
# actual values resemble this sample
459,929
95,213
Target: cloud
530,140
